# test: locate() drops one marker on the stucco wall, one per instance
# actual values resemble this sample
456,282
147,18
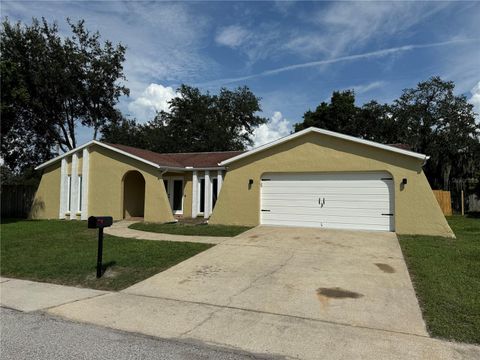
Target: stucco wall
46,203
105,196
416,210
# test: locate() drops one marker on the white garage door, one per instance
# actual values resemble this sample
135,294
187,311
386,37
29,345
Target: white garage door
331,200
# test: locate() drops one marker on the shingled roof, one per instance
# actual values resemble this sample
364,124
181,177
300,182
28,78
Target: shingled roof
218,159
183,160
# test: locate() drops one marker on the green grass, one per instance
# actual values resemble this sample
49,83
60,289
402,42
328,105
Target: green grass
446,276
64,252
195,230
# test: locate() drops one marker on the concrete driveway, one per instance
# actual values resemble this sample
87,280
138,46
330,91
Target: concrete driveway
282,293
354,278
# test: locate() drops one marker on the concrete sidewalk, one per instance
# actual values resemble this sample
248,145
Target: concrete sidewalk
29,296
256,332
38,336
121,229
261,333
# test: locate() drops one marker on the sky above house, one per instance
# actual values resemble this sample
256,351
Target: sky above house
291,54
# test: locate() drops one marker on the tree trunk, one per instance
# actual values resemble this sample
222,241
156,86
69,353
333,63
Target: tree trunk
447,168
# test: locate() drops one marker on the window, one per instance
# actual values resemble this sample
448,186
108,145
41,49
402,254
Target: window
174,189
177,200
214,191
201,194
80,193
69,193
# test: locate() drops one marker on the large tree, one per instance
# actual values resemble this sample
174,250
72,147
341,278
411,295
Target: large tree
373,121
52,84
196,122
126,132
338,115
435,121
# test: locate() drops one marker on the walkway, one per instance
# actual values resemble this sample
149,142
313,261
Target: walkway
121,229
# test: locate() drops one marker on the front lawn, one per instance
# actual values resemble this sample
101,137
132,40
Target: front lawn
446,277
65,252
189,229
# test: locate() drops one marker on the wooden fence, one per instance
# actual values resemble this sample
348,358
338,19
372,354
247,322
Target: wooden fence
444,200
16,200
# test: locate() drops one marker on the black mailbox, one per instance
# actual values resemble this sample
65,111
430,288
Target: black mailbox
97,222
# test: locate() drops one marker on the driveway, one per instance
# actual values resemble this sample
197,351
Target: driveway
287,293
354,278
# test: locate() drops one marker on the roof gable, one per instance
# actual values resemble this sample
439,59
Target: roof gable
173,161
394,149
182,160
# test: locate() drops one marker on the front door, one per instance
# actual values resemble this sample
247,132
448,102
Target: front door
174,188
177,197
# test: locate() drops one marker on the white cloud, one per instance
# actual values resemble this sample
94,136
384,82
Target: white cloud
475,99
154,98
346,26
165,41
232,36
364,88
257,42
276,128
367,55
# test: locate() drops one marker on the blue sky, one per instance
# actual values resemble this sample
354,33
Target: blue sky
291,54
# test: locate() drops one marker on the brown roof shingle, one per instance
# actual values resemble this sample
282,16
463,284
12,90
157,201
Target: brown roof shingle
182,160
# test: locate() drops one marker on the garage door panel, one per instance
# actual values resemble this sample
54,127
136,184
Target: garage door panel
323,191
349,226
335,200
340,184
332,203
324,218
351,212
328,184
334,177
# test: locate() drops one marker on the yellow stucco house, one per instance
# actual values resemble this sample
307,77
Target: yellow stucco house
312,178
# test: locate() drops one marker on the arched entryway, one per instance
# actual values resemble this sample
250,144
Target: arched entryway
133,195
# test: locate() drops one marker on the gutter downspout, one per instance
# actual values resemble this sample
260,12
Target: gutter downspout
162,172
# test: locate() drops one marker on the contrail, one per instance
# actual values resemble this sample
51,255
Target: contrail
372,54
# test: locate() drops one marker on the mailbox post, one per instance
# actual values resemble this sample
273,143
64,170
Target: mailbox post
99,222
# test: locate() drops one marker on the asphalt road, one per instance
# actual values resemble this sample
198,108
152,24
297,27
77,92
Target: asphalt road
39,336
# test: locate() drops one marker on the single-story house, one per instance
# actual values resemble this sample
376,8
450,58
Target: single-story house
313,178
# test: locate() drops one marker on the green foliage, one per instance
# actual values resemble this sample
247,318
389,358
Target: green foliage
341,113
64,252
125,131
28,177
434,121
430,118
196,230
196,122
50,85
446,279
